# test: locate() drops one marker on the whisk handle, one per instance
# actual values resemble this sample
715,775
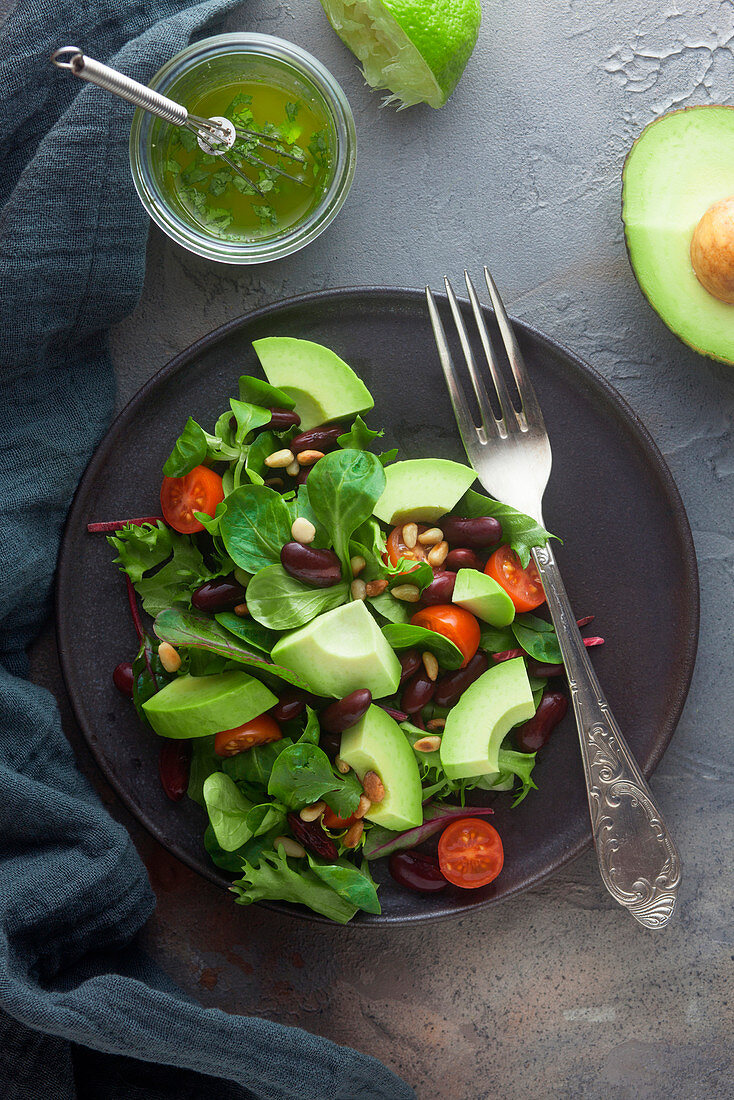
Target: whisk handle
71,57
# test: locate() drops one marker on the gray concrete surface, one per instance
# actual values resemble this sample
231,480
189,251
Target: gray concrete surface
556,993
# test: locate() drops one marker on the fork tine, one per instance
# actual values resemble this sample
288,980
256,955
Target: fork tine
503,396
489,421
467,428
531,412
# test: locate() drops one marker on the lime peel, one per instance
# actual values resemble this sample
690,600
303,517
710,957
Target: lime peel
416,49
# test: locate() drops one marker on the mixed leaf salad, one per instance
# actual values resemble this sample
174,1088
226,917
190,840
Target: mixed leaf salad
342,644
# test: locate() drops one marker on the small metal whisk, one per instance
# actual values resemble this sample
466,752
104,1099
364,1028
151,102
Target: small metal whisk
215,135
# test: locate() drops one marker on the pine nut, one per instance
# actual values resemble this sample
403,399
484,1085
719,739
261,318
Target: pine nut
363,807
169,657
376,588
373,786
436,724
290,846
274,482
410,534
310,813
353,835
430,664
242,577
242,610
427,744
408,593
307,458
293,470
341,766
357,564
280,459
438,555
303,530
358,590
431,536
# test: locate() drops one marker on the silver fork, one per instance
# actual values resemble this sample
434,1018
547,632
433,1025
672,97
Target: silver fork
512,458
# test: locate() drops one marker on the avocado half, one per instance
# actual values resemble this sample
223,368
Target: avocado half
680,165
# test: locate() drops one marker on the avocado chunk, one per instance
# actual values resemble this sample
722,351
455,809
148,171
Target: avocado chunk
323,386
422,489
340,651
480,721
377,744
680,167
196,706
480,594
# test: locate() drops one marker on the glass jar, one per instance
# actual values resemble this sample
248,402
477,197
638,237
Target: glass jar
252,59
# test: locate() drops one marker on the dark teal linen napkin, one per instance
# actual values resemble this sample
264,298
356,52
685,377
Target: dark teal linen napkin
83,1012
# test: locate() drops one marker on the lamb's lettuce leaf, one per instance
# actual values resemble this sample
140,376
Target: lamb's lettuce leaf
343,488
280,602
519,530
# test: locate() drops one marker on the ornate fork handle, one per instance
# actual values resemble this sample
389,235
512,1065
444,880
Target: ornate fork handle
637,858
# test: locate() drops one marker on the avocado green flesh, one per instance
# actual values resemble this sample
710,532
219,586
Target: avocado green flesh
422,489
486,712
322,385
678,167
480,594
340,651
378,744
196,706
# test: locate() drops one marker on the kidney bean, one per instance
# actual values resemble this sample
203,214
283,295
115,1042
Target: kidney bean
477,533
410,662
313,837
174,764
288,707
217,596
330,743
440,590
462,558
303,474
452,685
318,439
533,734
281,420
417,693
398,715
417,871
122,678
537,668
320,568
346,712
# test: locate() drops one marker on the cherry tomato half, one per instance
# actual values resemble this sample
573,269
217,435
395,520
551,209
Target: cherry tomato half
455,623
396,548
470,853
258,731
200,491
523,586
334,822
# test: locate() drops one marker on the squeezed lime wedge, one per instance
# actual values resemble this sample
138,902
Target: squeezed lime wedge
415,49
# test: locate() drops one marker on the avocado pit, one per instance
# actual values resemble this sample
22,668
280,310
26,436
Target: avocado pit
712,250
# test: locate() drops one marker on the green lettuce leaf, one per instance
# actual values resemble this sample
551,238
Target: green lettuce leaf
519,530
255,526
349,882
275,880
189,451
228,809
359,437
303,774
280,602
141,552
262,393
343,488
538,638
182,628
406,636
204,761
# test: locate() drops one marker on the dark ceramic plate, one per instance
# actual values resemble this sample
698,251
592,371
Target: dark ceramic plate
627,558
